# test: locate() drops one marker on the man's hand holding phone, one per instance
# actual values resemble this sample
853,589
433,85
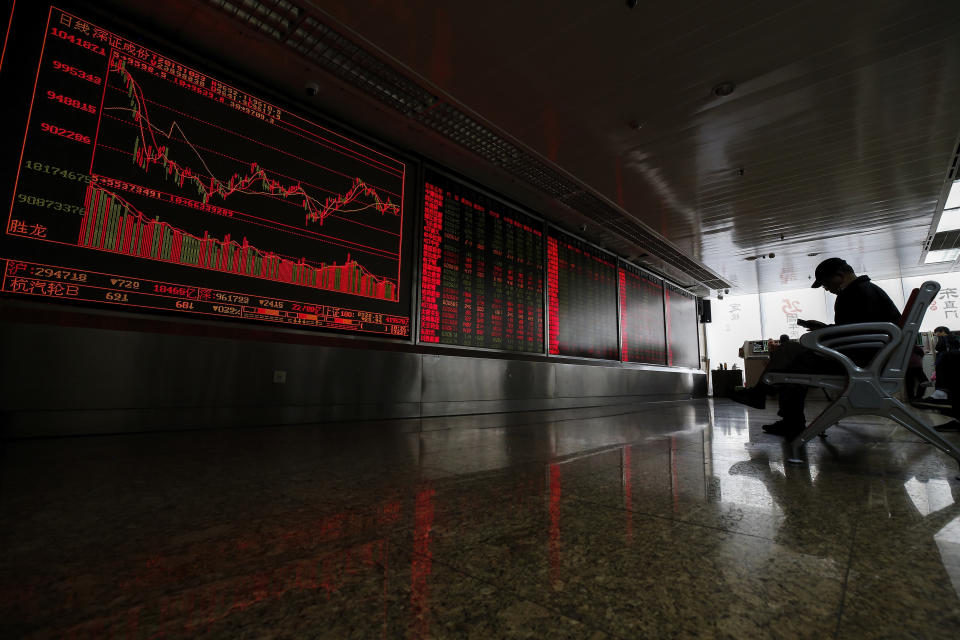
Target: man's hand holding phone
811,325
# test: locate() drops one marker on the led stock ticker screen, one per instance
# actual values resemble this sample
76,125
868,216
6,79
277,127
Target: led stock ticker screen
683,348
147,183
581,298
642,328
482,282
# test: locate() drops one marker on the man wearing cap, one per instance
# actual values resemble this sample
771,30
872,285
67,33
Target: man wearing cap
858,300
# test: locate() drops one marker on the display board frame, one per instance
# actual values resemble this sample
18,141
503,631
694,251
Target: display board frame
28,31
469,183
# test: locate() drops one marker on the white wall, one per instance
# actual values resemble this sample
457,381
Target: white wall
735,319
782,309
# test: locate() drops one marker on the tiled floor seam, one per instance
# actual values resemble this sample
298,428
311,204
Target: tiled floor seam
846,577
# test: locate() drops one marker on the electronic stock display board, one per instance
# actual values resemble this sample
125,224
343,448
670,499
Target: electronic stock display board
642,323
482,281
146,183
581,298
683,344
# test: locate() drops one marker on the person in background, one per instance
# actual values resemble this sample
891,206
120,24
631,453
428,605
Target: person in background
946,342
858,300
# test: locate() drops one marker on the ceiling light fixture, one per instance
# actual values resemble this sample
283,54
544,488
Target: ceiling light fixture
941,255
950,217
724,89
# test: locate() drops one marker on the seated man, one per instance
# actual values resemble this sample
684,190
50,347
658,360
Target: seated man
858,300
946,342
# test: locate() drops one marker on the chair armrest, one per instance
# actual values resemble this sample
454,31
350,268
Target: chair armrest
828,340
822,381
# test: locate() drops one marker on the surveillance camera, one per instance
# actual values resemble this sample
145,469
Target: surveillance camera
582,228
726,290
312,89
719,296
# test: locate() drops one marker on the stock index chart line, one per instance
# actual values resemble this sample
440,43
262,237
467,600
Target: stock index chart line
223,254
139,165
151,146
148,151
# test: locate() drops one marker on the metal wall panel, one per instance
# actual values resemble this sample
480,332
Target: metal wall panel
595,381
61,380
51,367
453,378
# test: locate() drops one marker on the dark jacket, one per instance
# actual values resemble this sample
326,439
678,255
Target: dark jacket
948,342
945,344
863,301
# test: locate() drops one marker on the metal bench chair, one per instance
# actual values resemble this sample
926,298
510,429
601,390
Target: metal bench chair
869,390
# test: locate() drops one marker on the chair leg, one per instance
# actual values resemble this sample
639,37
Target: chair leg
909,420
828,417
826,394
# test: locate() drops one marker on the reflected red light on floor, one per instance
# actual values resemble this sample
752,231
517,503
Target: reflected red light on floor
421,564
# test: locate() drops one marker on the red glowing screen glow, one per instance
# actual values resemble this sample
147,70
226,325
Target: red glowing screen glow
146,183
683,348
581,299
482,281
642,320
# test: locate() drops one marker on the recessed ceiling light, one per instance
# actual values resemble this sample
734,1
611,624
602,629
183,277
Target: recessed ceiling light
941,255
953,198
949,220
724,89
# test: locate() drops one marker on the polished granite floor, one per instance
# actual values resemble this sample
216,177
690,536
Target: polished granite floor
667,520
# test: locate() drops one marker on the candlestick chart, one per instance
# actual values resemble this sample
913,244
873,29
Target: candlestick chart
150,166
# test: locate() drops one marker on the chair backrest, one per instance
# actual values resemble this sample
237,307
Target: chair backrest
896,363
907,307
